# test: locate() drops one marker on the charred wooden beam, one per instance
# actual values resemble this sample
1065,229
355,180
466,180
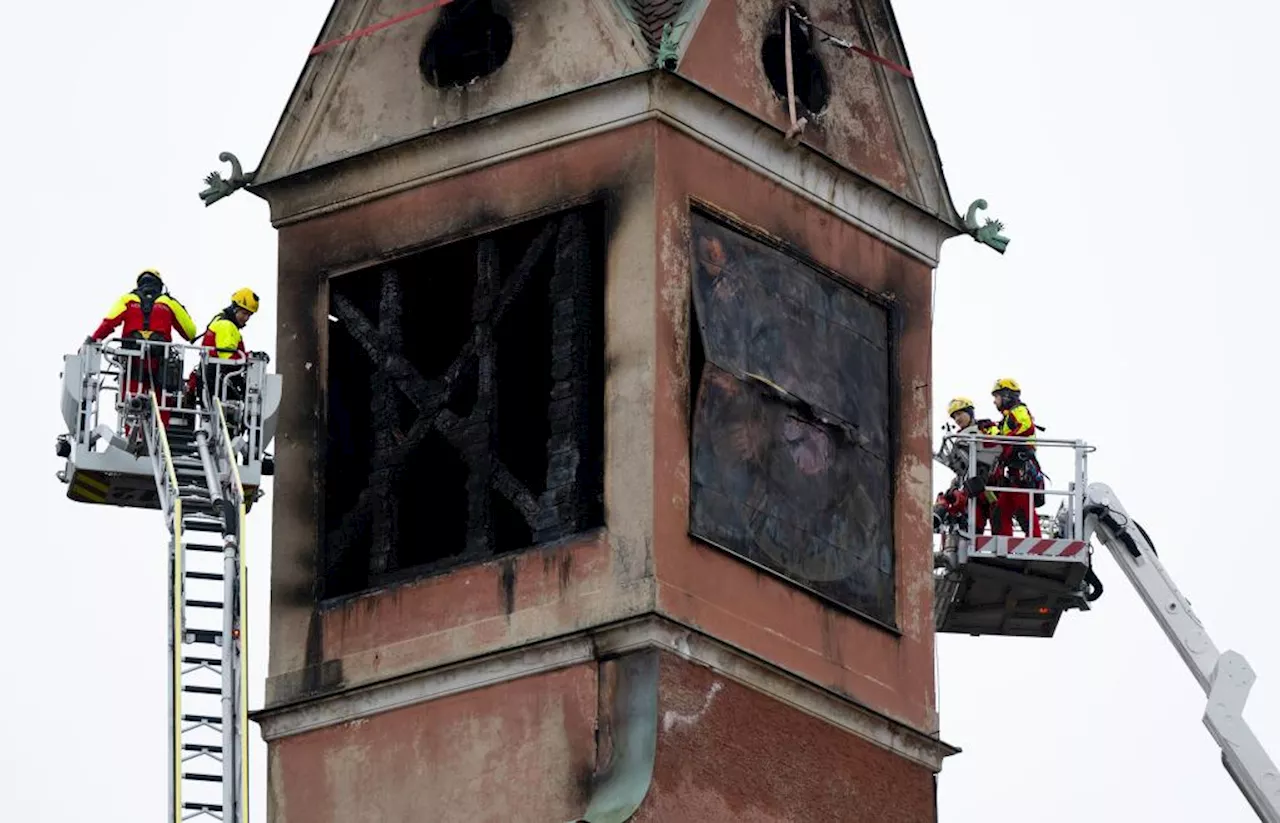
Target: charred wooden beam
562,506
382,481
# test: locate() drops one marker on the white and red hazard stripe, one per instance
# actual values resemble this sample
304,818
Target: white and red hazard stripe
1028,546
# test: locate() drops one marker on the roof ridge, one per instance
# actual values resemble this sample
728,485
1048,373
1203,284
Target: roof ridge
652,15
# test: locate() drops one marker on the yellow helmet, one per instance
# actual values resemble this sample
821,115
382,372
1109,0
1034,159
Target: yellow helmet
1006,384
246,299
958,404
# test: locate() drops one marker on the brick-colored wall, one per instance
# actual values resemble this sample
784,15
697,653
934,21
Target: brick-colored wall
729,754
704,586
515,752
524,751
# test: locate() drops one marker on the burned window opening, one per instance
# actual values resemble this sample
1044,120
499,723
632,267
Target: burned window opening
811,86
465,402
791,447
470,40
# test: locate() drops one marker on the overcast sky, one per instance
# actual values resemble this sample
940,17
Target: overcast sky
1128,147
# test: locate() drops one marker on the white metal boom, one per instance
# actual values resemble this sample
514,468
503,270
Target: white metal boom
1020,586
1225,677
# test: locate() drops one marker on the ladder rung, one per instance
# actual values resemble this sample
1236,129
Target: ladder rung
201,636
204,576
203,807
202,524
202,689
201,747
202,718
204,604
208,778
208,661
196,547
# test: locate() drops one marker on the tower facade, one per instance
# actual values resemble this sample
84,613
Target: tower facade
603,469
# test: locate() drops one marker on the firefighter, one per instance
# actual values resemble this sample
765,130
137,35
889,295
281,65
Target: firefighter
961,412
224,338
953,503
1017,465
149,315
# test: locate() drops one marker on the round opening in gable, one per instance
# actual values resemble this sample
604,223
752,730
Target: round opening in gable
811,86
470,40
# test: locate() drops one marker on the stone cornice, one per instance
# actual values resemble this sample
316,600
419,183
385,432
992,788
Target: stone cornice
650,632
607,107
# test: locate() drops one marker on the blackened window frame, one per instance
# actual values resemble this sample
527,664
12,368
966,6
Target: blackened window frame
697,359
597,230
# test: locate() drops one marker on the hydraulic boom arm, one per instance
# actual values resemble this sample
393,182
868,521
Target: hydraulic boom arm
1225,677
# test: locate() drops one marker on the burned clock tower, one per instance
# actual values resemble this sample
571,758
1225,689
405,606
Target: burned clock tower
603,479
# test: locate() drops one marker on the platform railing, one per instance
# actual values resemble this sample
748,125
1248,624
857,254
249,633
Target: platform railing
120,376
1069,521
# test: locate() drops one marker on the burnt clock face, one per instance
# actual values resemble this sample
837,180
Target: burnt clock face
803,463
790,453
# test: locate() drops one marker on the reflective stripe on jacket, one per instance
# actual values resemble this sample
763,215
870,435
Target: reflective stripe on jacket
1018,422
224,336
167,315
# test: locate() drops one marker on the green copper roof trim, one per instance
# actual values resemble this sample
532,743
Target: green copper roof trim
989,232
669,48
219,188
618,790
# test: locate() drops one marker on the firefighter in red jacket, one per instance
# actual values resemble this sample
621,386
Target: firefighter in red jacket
148,314
224,338
1017,466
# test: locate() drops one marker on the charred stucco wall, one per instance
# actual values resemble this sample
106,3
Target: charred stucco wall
867,125
720,594
520,751
728,753
594,579
370,92
607,575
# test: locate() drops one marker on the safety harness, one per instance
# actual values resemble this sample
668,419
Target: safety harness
146,302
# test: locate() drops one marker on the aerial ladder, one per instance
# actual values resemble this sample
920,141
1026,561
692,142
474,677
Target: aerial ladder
1006,585
202,470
